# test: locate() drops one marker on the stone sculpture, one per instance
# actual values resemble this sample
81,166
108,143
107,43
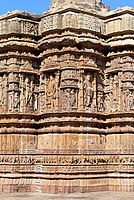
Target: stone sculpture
88,92
67,99
51,93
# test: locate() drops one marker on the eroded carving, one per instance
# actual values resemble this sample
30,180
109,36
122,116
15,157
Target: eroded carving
88,92
51,93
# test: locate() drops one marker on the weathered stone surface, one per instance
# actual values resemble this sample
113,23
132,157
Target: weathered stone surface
67,99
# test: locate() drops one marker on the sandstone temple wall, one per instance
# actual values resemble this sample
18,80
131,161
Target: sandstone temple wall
67,99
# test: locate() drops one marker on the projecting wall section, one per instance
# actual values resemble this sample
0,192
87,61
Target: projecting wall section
66,101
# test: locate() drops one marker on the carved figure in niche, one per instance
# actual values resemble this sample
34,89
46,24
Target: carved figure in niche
16,102
100,101
42,84
107,103
114,93
28,92
73,98
27,88
114,104
35,101
131,100
115,86
51,93
42,101
127,100
42,93
88,92
65,99
11,101
69,99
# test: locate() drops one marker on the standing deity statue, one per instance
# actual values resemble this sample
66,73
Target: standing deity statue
35,101
73,99
114,93
42,90
115,86
128,100
11,101
13,96
100,101
16,102
66,99
107,102
51,93
131,100
42,101
28,93
88,92
27,88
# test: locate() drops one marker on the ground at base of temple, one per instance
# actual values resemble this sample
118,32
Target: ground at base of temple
74,196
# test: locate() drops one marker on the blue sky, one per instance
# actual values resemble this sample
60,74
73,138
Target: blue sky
39,6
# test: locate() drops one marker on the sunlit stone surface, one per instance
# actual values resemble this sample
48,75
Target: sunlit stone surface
67,99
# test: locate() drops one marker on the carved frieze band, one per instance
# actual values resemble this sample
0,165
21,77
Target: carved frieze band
124,23
72,20
67,90
18,25
66,160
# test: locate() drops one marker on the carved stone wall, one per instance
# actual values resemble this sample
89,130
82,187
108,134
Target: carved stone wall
67,99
